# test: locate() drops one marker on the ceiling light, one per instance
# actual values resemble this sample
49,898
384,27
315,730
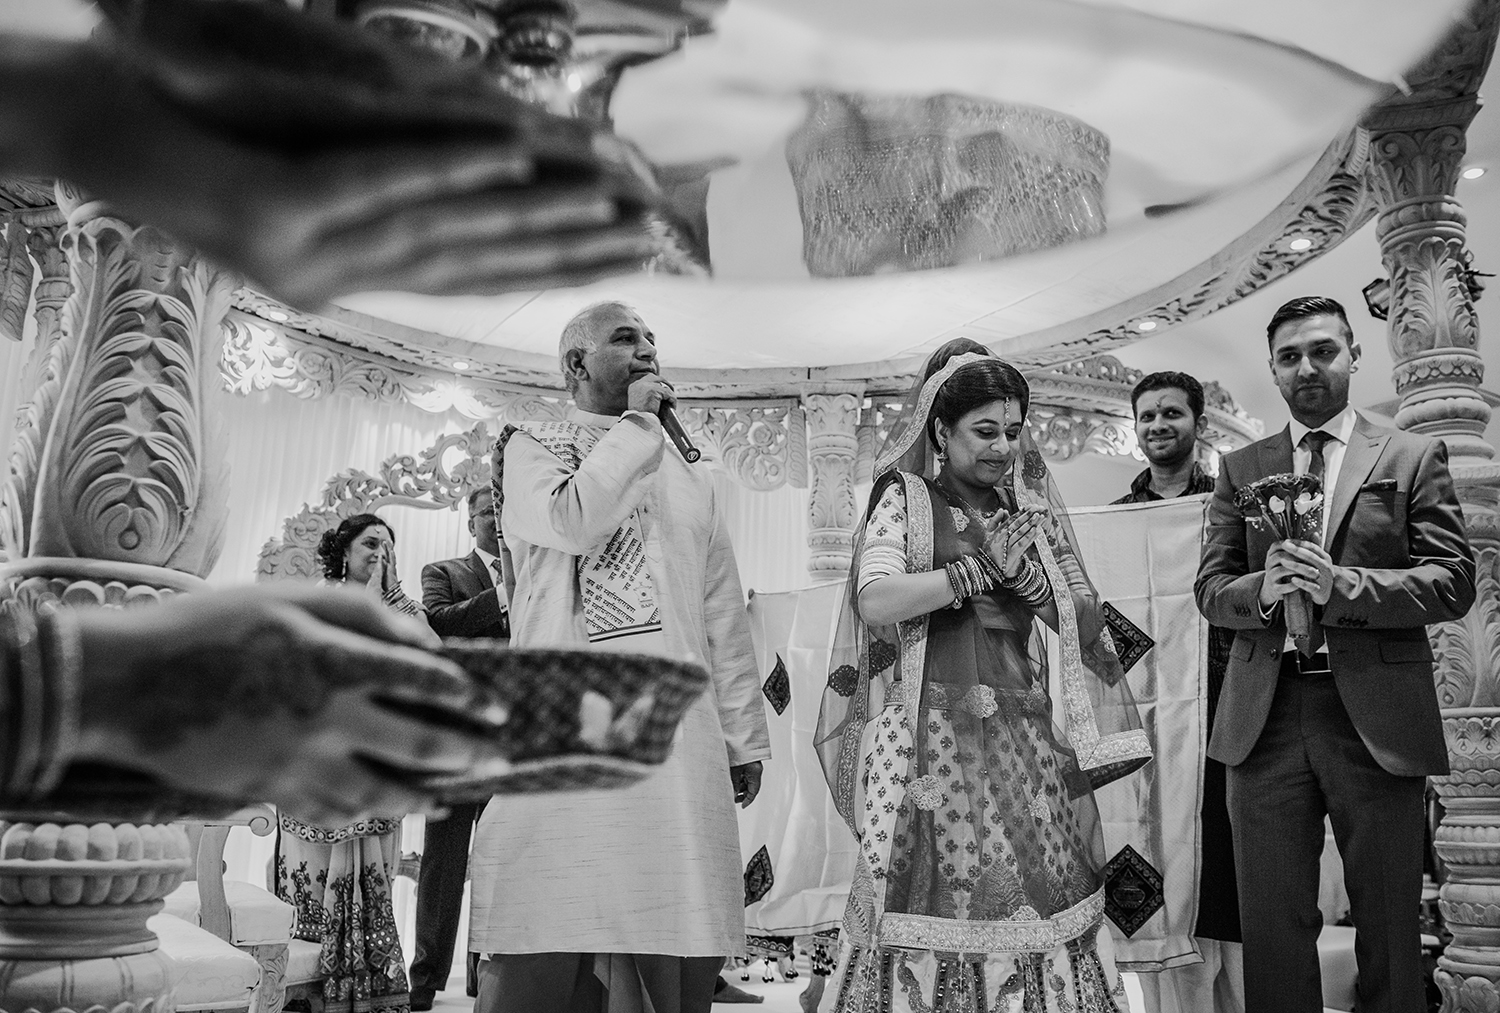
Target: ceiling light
1145,325
276,315
460,364
1301,243
1473,172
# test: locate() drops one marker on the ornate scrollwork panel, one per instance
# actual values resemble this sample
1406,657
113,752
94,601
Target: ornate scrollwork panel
1062,435
440,476
752,443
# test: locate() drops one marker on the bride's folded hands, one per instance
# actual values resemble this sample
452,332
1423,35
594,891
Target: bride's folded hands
1007,536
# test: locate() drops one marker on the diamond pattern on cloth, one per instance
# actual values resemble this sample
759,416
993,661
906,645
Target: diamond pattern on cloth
778,687
1132,890
758,876
1131,642
619,597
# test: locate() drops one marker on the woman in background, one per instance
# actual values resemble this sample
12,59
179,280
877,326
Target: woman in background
339,878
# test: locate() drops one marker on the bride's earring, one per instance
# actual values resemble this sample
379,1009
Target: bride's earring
942,454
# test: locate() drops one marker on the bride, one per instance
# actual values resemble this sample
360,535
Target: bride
978,885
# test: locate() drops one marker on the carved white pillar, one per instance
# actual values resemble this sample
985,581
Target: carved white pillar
44,245
832,446
117,494
1417,144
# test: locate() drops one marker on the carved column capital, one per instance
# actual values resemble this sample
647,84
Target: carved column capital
1416,152
832,448
127,466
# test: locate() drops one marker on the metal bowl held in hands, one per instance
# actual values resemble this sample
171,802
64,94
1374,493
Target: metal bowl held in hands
575,719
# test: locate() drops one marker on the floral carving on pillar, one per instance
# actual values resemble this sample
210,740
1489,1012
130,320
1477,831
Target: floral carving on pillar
127,465
1417,145
832,448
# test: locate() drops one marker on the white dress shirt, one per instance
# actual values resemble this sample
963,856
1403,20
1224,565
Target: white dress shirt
1341,428
492,562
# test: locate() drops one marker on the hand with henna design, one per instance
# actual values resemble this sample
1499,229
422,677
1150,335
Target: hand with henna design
318,159
1007,536
319,699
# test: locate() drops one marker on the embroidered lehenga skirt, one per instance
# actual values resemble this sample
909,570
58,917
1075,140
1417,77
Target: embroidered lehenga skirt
979,887
339,880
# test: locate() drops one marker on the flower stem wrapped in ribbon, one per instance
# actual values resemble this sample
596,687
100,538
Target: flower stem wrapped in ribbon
1291,506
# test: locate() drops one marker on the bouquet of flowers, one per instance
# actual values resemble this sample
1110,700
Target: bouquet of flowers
1291,506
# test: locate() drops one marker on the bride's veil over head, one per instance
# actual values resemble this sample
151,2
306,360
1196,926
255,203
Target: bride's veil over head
1099,713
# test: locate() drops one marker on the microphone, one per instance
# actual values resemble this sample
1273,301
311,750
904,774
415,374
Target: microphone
678,435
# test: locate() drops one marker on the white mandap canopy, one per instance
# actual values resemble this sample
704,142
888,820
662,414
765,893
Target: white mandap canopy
1212,113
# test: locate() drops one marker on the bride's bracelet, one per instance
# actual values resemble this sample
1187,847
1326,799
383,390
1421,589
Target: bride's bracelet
967,577
1030,584
991,567
40,673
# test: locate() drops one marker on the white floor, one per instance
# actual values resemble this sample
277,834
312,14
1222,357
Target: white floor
780,996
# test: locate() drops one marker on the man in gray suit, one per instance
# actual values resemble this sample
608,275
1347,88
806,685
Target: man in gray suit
464,597
1353,731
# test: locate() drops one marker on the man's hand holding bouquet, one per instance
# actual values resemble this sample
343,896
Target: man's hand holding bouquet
1291,506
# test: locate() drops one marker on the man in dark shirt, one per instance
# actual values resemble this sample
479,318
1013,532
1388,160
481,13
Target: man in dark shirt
464,597
1169,420
1168,423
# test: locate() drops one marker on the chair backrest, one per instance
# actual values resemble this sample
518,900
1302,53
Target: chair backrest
207,837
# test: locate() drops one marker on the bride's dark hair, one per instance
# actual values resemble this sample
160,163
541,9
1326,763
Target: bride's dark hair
334,545
972,386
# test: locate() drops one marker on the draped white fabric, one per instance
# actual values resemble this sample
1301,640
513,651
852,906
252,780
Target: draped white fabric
1144,558
809,853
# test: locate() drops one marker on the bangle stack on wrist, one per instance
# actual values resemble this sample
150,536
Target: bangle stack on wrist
967,577
1030,584
39,703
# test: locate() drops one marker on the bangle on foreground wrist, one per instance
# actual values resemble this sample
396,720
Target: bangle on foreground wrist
1030,584
967,577
40,672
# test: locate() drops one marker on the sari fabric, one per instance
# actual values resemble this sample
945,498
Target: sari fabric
339,879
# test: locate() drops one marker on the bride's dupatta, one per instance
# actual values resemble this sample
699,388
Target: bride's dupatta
975,815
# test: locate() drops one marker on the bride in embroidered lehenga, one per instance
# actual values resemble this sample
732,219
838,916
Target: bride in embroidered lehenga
978,885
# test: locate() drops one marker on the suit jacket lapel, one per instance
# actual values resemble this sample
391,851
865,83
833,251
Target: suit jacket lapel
1276,454
1365,445
481,572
